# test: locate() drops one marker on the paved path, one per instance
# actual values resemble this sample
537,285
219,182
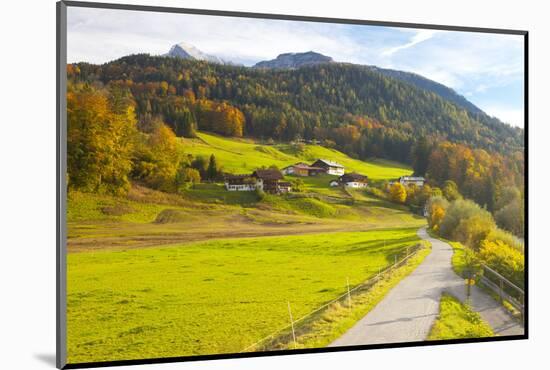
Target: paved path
409,310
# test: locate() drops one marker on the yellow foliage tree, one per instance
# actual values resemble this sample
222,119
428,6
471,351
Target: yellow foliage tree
437,215
398,193
99,140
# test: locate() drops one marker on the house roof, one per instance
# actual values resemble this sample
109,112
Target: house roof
269,174
412,178
239,179
231,176
306,166
299,164
353,176
329,163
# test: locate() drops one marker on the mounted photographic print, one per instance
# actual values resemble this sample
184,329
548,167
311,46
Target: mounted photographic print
237,184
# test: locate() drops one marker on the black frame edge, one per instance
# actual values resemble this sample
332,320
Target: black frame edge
161,360
526,179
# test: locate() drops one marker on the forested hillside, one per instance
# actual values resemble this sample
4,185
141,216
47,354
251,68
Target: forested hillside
349,107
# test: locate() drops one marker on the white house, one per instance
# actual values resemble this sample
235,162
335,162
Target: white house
351,180
409,180
332,168
267,180
240,183
302,169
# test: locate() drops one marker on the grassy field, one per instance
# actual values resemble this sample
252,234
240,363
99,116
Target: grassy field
152,274
215,296
241,156
149,218
339,318
457,321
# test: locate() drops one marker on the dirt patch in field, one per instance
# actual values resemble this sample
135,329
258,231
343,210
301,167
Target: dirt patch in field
187,235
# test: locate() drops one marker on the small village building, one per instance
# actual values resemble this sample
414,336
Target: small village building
284,186
268,180
240,183
330,167
412,180
351,180
303,169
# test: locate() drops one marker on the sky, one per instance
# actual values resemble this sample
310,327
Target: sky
487,69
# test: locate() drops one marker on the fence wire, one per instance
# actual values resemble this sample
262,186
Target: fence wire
365,284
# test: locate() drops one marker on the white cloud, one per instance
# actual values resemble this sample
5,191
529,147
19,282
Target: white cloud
99,35
514,117
419,36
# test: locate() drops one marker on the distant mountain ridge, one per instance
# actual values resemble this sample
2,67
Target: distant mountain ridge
184,50
294,60
297,60
430,85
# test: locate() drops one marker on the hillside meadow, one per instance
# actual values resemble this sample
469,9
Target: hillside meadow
242,155
216,296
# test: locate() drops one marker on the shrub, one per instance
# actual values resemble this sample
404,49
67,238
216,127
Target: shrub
260,194
512,217
436,208
472,230
186,177
297,185
450,191
505,237
467,222
398,193
506,260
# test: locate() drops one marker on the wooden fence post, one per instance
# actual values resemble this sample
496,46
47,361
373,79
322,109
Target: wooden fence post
349,294
501,290
292,324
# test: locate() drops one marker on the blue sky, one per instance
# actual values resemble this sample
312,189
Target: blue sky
487,69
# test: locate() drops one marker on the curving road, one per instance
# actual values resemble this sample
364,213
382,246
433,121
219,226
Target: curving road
409,310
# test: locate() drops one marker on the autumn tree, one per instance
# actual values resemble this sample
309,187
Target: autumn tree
100,132
512,217
212,172
220,118
398,193
185,124
200,164
187,177
436,208
467,222
450,191
421,156
157,160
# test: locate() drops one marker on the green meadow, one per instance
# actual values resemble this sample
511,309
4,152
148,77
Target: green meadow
204,271
216,296
242,155
458,321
